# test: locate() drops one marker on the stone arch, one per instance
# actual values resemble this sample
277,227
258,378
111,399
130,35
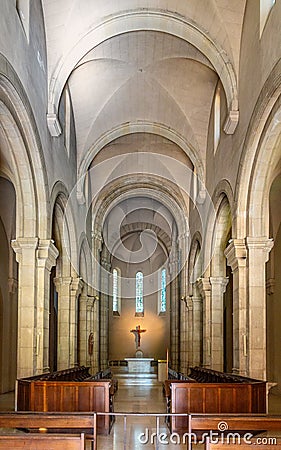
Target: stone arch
67,282
261,155
118,191
140,127
85,261
62,219
26,163
156,21
222,234
194,261
8,287
221,310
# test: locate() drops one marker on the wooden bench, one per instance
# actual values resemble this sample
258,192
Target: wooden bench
261,443
206,375
57,422
216,398
235,425
67,396
243,422
42,441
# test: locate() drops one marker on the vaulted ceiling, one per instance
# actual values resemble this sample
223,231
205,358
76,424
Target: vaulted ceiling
142,66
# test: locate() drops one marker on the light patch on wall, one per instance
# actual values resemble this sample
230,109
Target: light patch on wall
265,8
23,7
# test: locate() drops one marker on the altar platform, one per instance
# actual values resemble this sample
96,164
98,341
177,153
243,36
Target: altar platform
139,365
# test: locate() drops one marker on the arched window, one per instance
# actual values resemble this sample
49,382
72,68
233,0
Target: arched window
163,298
139,293
116,297
217,119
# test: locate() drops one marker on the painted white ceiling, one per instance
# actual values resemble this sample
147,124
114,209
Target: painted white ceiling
137,74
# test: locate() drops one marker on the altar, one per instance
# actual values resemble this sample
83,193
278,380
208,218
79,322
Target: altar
139,365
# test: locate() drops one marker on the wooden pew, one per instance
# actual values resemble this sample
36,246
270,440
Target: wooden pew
244,425
42,441
49,422
216,398
257,443
243,422
67,396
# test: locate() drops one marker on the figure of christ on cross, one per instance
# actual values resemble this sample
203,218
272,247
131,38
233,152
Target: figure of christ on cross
137,332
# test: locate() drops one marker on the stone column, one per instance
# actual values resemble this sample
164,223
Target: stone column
236,254
95,329
63,289
183,311
204,287
95,293
197,330
83,329
10,365
47,254
218,286
75,291
36,258
86,323
184,335
258,255
104,309
174,315
190,329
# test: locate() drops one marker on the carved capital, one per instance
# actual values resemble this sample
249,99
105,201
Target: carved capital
23,245
76,286
204,285
236,254
262,245
219,282
47,254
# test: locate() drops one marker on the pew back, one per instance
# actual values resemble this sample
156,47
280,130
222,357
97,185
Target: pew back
260,443
66,396
42,441
215,398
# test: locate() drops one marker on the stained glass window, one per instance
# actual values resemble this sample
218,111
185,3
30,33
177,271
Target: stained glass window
163,301
139,292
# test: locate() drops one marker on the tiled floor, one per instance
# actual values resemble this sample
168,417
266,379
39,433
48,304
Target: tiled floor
138,394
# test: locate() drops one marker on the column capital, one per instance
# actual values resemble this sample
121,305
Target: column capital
77,285
47,254
236,253
197,302
62,281
219,281
203,285
262,244
21,244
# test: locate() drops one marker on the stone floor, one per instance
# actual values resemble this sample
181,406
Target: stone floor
138,394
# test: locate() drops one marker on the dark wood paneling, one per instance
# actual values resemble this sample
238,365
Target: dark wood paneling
67,396
215,398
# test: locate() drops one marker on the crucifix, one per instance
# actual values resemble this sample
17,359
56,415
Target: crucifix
137,332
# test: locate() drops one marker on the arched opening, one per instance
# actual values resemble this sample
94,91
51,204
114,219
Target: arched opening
8,288
222,292
53,323
273,285
228,323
